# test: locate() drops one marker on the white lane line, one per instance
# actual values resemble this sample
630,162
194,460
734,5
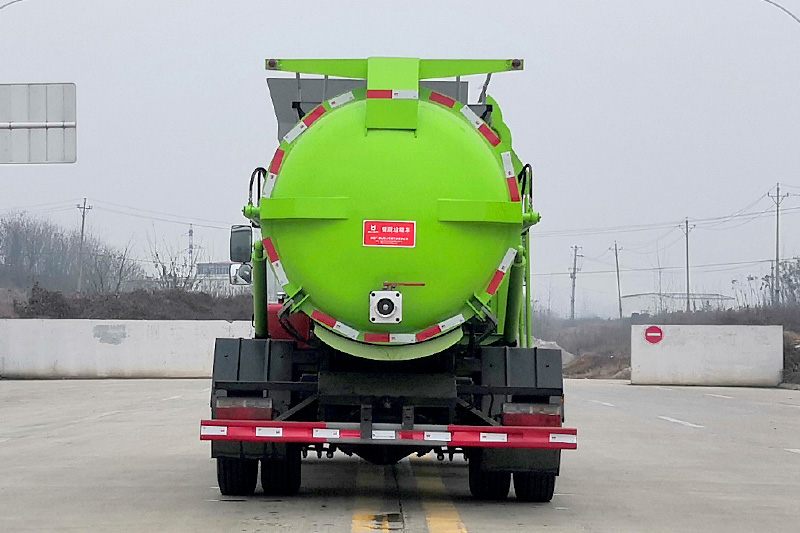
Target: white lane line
792,450
603,403
681,422
719,396
662,388
4,440
171,398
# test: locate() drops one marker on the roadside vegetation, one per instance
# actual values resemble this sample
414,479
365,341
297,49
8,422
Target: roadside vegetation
602,348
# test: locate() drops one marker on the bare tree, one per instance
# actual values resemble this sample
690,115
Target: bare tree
34,250
173,268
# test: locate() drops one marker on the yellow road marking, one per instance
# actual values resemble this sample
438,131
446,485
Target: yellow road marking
440,513
371,486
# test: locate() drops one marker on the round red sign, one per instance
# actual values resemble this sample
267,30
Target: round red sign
653,334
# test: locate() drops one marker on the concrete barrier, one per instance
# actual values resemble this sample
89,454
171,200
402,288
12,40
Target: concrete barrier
111,348
707,355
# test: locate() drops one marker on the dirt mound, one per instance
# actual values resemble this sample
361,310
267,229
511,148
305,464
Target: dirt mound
791,357
7,298
136,305
592,365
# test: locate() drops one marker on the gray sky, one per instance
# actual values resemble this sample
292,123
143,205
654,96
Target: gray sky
632,113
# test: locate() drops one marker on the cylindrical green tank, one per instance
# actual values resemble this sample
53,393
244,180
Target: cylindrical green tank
391,214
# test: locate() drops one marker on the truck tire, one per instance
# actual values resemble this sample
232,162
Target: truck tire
534,487
237,477
282,476
487,485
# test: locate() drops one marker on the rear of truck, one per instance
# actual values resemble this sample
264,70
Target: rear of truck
395,219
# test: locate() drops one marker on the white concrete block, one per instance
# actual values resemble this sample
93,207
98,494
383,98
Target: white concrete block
707,355
112,348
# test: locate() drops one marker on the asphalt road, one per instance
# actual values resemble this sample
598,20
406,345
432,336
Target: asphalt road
125,456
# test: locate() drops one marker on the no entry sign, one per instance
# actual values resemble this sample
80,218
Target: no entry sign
653,334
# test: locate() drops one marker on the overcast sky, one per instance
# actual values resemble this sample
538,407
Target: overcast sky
632,112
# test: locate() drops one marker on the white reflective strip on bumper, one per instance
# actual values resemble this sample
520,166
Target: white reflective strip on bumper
405,95
346,330
438,435
510,255
452,322
405,338
563,439
494,437
269,432
472,117
214,430
383,434
341,99
325,433
508,164
280,274
295,132
269,184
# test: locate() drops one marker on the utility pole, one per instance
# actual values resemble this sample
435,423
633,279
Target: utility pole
619,290
776,281
573,275
686,230
83,209
191,247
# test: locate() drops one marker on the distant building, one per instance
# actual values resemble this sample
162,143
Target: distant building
654,303
214,278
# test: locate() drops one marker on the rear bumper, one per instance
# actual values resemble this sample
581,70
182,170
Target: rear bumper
543,438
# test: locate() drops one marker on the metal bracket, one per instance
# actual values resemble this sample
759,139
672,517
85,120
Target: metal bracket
408,417
299,407
366,421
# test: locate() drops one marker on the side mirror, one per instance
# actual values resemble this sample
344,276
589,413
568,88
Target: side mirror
241,274
241,244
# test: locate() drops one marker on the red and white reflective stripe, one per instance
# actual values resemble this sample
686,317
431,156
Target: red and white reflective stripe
410,338
441,327
442,99
304,124
452,322
272,176
389,94
501,271
269,184
377,337
277,161
471,116
334,324
482,127
275,261
511,177
341,99
529,437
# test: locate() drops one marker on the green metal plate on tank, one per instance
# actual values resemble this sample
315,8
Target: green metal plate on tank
444,177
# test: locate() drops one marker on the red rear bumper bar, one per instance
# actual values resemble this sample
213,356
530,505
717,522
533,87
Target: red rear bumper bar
546,438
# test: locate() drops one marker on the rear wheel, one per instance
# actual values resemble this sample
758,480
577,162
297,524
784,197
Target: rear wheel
534,487
282,476
237,477
487,485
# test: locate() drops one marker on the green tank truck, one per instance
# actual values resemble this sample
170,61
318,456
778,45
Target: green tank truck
395,218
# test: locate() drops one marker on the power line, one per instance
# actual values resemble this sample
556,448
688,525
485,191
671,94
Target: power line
654,269
776,4
147,217
699,222
191,219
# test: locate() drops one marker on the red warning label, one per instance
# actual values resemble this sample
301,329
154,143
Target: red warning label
402,234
